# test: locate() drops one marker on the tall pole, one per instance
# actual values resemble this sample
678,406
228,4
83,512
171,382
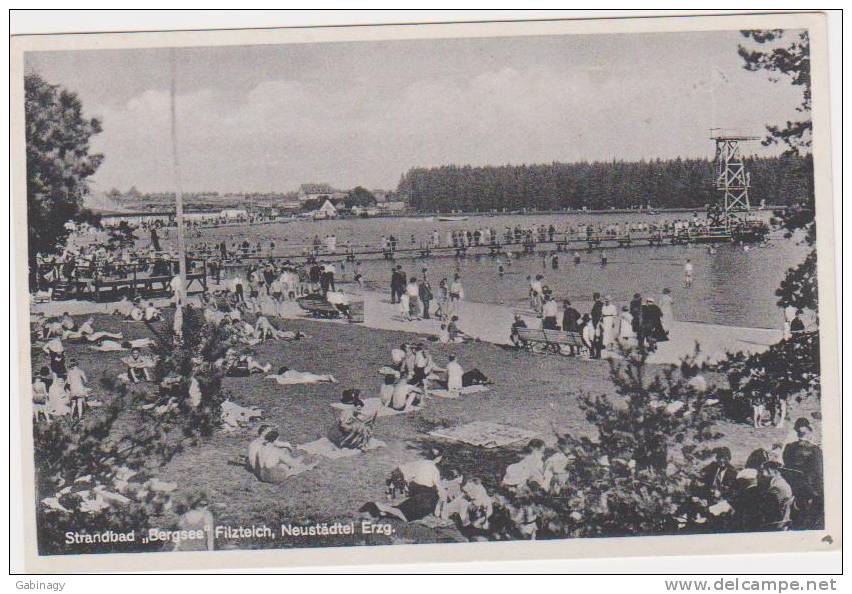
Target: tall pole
181,245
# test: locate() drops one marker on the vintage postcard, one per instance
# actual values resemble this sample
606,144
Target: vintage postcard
384,294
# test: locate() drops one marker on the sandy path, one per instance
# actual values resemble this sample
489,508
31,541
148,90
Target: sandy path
491,323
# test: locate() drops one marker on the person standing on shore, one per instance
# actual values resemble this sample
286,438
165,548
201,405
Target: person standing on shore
398,283
425,293
636,313
596,318
626,334
549,312
666,302
652,324
688,272
456,291
608,320
412,291
570,317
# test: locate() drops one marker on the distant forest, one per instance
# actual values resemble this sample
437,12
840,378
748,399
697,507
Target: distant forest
685,183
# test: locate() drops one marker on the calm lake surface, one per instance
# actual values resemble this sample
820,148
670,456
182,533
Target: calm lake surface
731,286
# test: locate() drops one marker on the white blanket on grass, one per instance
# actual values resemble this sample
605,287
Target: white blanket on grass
485,434
324,447
475,389
304,377
374,405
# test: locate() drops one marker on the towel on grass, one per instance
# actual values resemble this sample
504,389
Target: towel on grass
235,416
374,405
485,434
302,377
324,447
475,389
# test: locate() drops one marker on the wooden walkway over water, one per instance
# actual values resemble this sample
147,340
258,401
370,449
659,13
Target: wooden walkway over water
538,244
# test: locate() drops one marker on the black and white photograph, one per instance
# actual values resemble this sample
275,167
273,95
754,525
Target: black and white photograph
426,284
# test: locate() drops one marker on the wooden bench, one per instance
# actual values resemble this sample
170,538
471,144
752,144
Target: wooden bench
543,340
318,307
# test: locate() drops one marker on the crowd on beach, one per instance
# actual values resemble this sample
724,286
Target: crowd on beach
777,488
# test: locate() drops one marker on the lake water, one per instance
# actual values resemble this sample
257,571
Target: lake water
732,286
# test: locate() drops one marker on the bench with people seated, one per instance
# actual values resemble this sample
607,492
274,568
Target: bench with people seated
557,341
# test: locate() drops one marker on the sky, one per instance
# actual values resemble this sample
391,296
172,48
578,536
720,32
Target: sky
270,117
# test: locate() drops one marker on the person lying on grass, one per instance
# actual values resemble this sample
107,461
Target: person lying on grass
130,310
264,330
86,331
236,364
109,345
287,376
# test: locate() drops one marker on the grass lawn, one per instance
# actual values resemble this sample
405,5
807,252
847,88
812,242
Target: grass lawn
534,392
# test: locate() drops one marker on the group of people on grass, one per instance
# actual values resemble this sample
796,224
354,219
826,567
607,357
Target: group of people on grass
776,489
61,387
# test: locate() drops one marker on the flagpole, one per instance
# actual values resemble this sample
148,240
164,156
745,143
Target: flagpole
181,245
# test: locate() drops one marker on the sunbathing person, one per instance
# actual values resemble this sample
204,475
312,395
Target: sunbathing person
264,330
421,481
130,310
398,357
52,328
355,428
152,313
109,345
387,389
404,395
423,368
123,308
455,333
286,376
88,332
242,331
467,503
241,365
481,505
138,367
277,461
68,322
254,448
529,470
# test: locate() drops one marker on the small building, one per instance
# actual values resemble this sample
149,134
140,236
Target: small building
394,206
326,211
234,214
315,192
289,207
